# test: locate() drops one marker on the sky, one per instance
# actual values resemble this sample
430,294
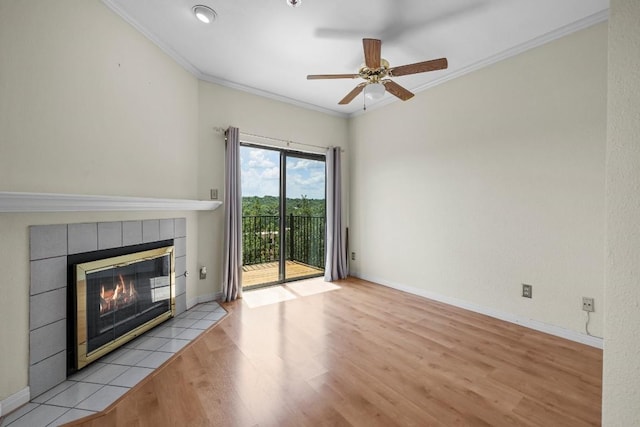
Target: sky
260,174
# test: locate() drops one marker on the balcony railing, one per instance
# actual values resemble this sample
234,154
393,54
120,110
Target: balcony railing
304,239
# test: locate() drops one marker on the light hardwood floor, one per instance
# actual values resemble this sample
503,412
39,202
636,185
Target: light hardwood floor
366,355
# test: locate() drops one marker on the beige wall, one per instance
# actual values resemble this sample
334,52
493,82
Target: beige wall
466,191
621,388
87,106
489,181
90,106
222,107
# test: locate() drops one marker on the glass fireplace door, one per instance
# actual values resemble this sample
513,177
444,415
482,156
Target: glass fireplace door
118,298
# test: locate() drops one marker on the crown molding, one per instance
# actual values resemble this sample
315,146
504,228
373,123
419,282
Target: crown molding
581,24
208,78
269,95
163,46
13,202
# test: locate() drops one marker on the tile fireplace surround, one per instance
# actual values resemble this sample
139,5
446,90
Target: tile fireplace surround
95,388
49,247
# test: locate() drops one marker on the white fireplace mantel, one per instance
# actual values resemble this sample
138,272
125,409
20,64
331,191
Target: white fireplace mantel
54,202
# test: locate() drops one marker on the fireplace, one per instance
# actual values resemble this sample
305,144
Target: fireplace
54,250
117,296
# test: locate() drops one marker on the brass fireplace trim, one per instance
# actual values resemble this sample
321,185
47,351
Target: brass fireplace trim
82,357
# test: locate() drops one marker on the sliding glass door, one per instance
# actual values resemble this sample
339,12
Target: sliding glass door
304,221
283,215
260,181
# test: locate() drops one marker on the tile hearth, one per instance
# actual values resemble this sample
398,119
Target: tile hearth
94,388
49,249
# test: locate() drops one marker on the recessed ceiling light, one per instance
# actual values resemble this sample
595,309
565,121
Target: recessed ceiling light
294,3
204,13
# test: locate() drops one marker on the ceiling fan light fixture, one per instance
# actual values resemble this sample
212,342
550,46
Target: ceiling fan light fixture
294,3
375,73
204,13
374,91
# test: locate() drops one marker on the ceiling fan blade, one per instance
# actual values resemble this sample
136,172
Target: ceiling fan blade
332,76
355,92
419,67
372,49
395,89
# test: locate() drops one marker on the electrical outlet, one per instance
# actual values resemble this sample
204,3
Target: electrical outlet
588,304
353,256
527,291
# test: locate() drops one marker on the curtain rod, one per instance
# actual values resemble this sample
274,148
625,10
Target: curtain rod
288,142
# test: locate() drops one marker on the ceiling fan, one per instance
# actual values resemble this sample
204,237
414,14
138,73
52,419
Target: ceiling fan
376,73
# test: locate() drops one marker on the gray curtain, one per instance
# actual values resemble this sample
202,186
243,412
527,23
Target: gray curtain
232,267
336,258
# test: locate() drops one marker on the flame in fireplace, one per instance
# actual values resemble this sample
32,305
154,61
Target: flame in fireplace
117,296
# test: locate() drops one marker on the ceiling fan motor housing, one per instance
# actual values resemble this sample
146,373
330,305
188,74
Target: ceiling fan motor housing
375,75
376,70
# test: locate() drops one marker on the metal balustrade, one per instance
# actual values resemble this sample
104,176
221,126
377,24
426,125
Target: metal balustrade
304,239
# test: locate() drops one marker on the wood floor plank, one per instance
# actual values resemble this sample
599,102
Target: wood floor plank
259,274
366,355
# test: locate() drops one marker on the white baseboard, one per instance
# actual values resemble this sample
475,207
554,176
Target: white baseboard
203,298
14,401
507,317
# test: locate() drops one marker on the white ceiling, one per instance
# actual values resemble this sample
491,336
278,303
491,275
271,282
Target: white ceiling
267,47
